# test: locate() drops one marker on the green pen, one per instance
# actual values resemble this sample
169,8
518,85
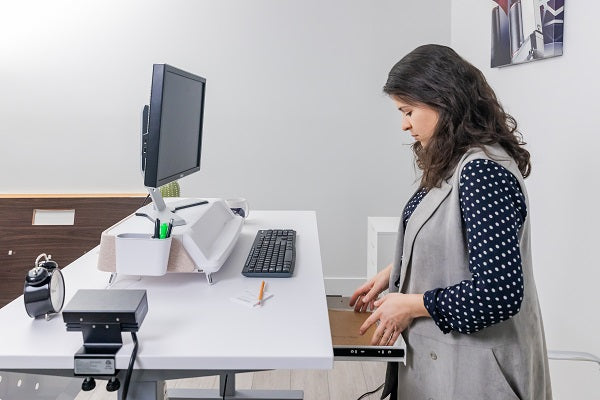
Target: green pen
163,230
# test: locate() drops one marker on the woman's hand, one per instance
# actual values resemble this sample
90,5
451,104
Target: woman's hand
395,313
362,299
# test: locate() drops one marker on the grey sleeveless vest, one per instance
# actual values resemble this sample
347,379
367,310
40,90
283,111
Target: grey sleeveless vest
507,360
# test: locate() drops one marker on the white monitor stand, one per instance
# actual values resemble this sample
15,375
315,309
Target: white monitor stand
208,228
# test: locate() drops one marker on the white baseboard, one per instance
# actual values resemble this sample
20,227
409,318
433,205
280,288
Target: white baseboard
342,286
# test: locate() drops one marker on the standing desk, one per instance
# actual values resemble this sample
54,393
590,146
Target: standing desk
193,328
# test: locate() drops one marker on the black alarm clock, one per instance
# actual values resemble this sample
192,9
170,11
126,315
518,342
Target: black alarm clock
44,289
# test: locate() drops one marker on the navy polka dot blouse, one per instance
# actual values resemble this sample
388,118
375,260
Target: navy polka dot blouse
493,211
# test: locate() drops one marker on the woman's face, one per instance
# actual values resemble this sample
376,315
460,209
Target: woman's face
419,119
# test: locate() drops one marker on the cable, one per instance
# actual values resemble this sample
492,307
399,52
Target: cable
225,386
371,392
141,214
144,202
130,367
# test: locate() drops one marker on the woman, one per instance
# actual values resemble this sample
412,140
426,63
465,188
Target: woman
461,284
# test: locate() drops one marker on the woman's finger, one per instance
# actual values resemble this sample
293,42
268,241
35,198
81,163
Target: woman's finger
378,335
367,297
357,303
371,306
358,307
361,306
369,321
394,337
358,293
386,336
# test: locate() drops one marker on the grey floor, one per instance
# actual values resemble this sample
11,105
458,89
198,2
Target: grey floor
346,381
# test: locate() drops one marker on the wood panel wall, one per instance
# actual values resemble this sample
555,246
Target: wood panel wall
21,242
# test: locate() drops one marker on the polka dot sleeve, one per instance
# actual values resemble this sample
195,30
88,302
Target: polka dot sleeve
493,211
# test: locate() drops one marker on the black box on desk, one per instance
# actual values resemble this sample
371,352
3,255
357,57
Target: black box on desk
103,306
101,316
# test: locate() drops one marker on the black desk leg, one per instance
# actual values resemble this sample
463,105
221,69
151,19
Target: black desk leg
227,384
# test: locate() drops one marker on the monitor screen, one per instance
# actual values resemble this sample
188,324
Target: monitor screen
172,145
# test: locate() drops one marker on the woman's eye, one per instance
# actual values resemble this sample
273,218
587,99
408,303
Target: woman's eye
408,114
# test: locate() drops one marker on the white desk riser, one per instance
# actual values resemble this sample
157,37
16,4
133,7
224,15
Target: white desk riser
193,328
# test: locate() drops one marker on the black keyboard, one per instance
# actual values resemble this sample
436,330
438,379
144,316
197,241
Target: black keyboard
273,254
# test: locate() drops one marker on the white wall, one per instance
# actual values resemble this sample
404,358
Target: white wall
295,116
555,103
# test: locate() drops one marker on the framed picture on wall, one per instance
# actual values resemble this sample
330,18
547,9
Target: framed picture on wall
526,30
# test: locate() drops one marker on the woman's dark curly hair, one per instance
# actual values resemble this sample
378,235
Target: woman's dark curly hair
469,113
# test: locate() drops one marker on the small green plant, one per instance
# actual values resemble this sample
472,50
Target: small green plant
171,189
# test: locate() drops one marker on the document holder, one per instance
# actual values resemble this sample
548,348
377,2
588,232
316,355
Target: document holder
348,345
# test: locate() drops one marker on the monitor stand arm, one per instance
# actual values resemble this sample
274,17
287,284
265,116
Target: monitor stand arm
158,209
157,199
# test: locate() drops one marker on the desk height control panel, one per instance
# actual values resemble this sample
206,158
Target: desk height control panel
376,352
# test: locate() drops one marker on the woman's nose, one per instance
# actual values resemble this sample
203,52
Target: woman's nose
405,124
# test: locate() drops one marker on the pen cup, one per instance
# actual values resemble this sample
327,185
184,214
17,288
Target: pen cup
140,254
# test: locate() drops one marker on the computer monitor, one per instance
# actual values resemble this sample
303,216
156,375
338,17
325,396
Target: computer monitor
171,133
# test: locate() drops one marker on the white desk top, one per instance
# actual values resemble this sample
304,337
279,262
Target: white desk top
191,325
